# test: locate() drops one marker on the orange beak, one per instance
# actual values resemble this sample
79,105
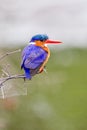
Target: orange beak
53,42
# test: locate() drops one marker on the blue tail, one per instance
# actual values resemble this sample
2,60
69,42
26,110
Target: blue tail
27,73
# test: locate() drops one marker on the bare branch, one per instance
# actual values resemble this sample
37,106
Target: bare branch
6,75
5,70
3,96
3,80
9,53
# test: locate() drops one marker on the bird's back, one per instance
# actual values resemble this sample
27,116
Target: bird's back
33,56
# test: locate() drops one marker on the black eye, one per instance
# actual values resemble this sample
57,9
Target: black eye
41,40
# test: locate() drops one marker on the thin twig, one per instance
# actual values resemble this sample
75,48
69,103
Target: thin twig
3,80
5,70
7,74
9,53
2,91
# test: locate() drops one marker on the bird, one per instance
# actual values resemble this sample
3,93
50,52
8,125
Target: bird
36,55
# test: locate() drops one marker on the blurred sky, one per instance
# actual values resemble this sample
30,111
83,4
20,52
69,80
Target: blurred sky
65,20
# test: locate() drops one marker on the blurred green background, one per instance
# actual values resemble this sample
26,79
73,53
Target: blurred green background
56,100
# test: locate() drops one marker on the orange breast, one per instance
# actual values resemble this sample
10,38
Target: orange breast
44,48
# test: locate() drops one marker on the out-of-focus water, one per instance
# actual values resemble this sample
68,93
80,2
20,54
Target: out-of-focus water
65,20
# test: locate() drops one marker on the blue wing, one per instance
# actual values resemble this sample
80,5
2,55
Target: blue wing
32,57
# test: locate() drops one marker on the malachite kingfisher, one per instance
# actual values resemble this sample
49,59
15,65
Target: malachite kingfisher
35,56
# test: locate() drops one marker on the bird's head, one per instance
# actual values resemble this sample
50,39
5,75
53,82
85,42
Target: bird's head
43,39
